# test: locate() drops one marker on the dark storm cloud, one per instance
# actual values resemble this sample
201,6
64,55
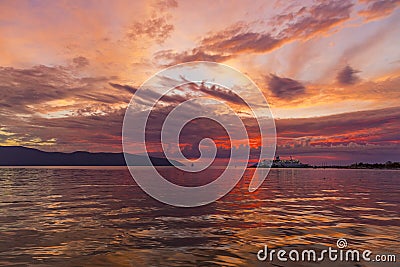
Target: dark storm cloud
239,38
347,76
285,88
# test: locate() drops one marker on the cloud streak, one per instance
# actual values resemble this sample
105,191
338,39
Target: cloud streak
379,9
127,88
239,38
372,126
285,88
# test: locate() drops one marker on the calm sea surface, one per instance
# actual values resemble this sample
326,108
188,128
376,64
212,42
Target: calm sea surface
100,217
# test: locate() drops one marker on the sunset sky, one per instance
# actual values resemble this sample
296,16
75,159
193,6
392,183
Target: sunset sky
330,70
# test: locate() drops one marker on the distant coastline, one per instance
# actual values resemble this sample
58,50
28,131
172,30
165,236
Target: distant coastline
380,166
386,166
278,163
23,156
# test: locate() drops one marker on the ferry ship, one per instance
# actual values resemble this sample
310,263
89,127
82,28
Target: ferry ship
279,163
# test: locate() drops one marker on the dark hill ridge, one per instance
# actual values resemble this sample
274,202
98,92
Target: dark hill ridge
23,156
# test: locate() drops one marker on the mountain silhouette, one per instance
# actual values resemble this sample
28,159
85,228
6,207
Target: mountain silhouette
23,156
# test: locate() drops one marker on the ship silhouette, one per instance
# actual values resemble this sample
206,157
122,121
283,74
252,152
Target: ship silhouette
281,163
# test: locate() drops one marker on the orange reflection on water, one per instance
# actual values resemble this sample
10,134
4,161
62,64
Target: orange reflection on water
102,218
